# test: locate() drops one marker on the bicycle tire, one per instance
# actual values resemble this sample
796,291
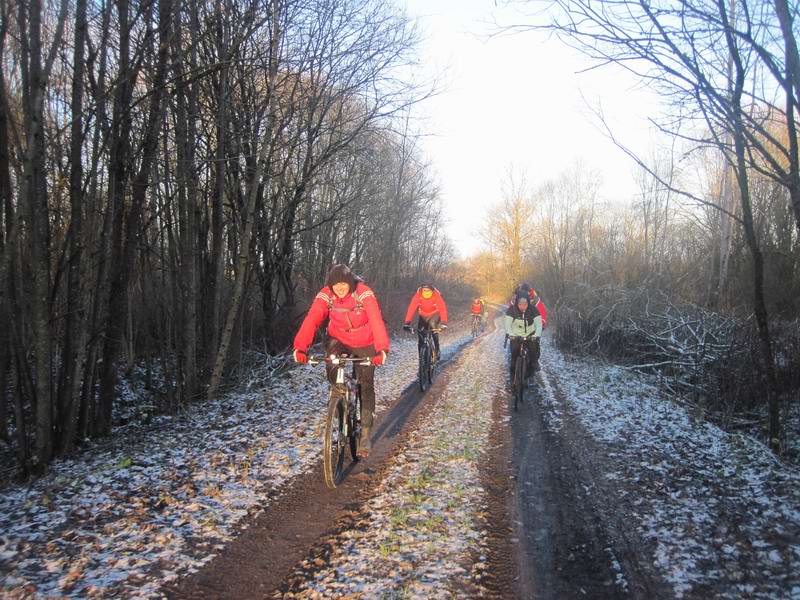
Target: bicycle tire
431,368
474,328
424,366
519,382
334,440
354,430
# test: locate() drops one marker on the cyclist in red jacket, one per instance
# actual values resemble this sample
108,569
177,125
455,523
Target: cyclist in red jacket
478,308
429,303
356,328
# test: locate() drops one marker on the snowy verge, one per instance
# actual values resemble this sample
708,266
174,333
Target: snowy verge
156,503
721,514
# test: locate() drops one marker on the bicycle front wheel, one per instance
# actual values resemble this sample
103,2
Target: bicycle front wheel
431,368
354,430
335,440
519,381
424,366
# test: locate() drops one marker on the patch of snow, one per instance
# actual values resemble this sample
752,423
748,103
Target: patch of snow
701,494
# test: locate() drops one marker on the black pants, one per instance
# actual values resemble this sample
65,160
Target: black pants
423,324
533,353
365,375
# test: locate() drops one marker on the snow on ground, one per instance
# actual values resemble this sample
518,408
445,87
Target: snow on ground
156,503
423,535
722,514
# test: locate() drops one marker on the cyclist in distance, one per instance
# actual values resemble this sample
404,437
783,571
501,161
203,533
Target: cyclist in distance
355,327
478,307
523,324
429,303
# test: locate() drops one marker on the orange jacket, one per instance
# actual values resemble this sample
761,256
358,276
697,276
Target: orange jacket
354,320
427,307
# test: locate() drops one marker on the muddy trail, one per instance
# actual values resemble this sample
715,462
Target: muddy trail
292,530
532,528
573,535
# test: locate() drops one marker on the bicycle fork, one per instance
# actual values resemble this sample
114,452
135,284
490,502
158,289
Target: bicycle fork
344,397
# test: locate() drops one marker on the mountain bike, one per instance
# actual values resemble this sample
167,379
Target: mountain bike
477,322
343,420
427,356
519,383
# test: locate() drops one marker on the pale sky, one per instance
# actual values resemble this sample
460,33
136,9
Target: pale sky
516,100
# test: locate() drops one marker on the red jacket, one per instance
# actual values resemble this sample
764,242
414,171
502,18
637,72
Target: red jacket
427,308
354,320
542,310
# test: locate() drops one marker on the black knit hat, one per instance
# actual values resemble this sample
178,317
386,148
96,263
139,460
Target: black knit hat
341,274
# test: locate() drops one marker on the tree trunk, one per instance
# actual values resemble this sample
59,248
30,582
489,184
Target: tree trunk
792,91
217,265
253,185
118,306
111,238
74,350
759,304
189,231
35,196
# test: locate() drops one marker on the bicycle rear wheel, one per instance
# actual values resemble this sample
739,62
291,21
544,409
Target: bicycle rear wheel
475,327
335,440
354,430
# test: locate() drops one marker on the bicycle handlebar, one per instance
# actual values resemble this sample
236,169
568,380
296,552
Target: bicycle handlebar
338,360
519,337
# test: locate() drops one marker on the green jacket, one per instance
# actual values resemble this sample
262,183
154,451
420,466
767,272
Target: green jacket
518,324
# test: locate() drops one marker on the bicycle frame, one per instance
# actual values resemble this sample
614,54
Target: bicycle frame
426,355
524,347
520,385
427,335
342,424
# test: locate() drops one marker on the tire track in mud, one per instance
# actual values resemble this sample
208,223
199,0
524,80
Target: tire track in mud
574,541
564,551
302,518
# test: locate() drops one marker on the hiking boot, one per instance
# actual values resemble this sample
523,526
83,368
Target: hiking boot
364,443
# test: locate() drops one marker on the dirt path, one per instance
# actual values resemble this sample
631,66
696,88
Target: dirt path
544,534
298,521
563,549
575,539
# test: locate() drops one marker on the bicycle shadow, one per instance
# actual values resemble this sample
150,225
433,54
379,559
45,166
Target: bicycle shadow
391,423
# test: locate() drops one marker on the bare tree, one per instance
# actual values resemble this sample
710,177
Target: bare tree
703,57
510,228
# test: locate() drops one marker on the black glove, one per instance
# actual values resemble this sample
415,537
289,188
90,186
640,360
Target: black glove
408,327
